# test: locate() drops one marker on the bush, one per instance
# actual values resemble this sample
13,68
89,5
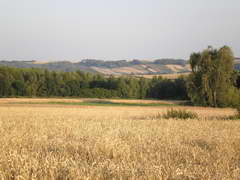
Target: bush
179,114
237,115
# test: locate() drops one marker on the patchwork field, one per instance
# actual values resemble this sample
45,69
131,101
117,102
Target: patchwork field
42,140
165,76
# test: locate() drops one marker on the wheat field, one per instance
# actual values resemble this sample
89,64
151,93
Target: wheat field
61,142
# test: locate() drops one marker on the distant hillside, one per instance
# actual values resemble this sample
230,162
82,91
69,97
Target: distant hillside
121,67
237,63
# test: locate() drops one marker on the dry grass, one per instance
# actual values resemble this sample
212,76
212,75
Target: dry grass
80,142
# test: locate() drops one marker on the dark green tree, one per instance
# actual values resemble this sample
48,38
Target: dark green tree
19,88
5,82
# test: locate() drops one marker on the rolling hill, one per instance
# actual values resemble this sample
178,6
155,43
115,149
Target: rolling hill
121,67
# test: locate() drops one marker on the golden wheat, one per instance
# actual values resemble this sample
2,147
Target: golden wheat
87,142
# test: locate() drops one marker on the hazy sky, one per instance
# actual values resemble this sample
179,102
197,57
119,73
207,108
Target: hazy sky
115,29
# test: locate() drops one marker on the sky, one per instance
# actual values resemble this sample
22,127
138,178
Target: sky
115,29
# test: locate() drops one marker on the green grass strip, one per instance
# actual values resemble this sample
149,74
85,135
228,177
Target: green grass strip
97,103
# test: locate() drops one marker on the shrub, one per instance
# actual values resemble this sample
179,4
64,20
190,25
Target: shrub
179,114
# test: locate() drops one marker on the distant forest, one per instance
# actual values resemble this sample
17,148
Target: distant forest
32,82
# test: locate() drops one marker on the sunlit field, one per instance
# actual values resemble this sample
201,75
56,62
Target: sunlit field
71,141
164,76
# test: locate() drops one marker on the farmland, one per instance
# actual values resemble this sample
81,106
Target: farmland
164,76
42,140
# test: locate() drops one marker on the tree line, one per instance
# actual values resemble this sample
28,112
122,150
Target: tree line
32,82
212,82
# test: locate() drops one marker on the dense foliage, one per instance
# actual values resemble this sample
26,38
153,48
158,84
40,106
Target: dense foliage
44,83
213,80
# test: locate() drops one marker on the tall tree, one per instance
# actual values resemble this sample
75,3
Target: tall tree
210,82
